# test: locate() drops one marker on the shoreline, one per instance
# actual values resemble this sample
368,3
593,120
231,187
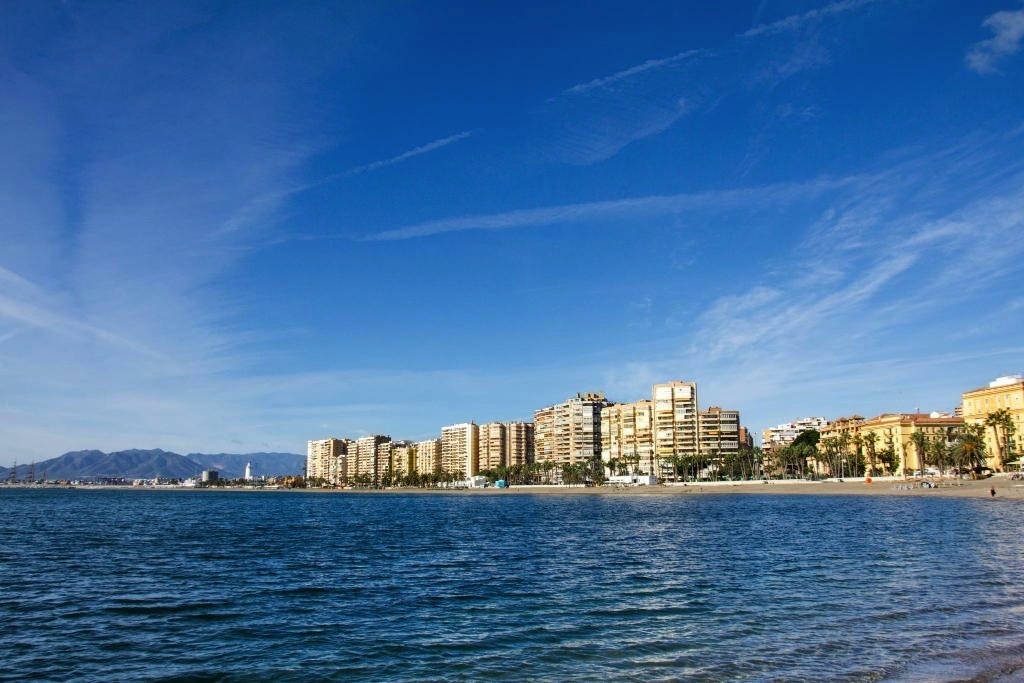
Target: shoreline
1006,489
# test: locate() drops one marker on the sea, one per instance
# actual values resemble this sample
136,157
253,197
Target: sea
122,585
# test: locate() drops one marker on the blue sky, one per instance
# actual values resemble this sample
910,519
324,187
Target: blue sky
238,226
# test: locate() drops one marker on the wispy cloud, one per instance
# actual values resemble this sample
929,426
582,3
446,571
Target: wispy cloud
594,120
1007,29
415,152
654,205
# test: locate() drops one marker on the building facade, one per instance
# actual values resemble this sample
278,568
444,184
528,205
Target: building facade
569,432
403,459
327,460
719,432
784,434
493,446
428,457
1004,446
518,443
373,455
460,449
627,438
675,423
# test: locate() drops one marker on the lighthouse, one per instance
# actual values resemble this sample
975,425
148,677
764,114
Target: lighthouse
248,471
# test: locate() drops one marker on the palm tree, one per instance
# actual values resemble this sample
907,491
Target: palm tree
969,450
920,441
1000,421
869,441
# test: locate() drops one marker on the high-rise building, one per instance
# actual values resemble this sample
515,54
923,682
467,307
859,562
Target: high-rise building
403,459
1002,393
627,437
428,456
569,432
675,421
372,456
326,459
460,449
493,445
518,443
719,431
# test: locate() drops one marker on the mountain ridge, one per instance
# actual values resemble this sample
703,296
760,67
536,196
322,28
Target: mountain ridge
150,463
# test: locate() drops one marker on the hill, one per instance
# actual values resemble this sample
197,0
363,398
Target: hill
147,464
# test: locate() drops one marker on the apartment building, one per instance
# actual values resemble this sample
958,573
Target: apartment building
719,432
784,434
460,449
373,454
493,445
569,432
675,421
518,443
627,438
870,437
403,458
428,456
1002,393
327,459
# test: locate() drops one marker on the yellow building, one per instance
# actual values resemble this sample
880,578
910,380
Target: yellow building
675,420
428,456
403,458
326,459
519,443
493,445
1003,393
873,437
719,432
373,454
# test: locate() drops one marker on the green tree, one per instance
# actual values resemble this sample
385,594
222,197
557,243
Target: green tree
1001,424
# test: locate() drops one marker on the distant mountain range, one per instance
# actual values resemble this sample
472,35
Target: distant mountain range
147,464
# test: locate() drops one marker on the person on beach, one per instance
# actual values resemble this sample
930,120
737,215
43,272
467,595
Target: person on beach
992,492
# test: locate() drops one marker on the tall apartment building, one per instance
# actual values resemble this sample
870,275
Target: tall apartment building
428,456
460,449
327,459
675,421
403,458
719,432
372,456
493,445
569,432
1001,393
518,443
627,437
784,434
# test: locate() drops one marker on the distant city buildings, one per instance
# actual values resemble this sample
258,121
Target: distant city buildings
569,432
999,407
428,456
460,449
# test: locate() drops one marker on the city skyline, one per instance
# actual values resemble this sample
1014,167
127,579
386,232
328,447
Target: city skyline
234,228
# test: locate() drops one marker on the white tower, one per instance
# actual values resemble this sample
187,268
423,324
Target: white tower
248,471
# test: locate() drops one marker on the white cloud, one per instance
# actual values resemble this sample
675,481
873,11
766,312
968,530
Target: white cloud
415,152
1007,29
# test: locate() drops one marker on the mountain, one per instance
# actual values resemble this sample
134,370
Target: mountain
133,464
232,465
147,464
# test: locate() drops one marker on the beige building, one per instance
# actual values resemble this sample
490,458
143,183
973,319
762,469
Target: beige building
891,430
627,437
460,449
327,459
428,456
675,421
493,445
1003,393
373,454
569,432
518,443
719,432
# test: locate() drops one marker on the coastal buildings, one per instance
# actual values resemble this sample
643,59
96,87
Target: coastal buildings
493,445
718,431
373,454
569,432
428,456
518,443
327,459
460,449
886,442
403,458
999,406
675,421
784,434
627,437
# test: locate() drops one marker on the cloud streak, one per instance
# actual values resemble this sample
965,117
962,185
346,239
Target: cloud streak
415,152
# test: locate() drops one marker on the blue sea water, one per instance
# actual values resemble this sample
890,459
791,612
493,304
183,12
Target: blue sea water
179,585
